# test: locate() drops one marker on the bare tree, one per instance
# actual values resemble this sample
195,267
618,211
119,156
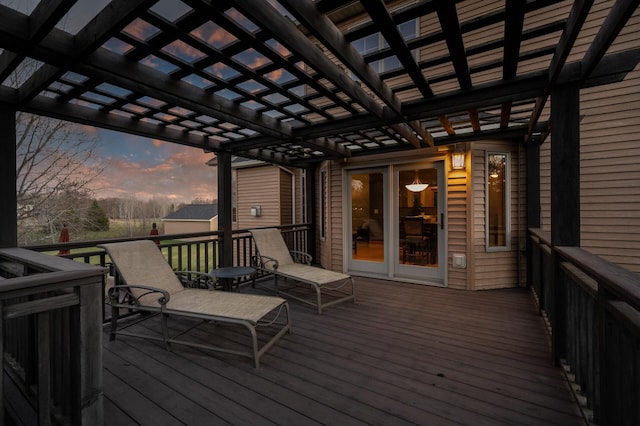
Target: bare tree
54,157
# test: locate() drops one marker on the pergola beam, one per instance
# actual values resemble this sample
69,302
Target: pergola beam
577,17
616,20
44,18
513,35
116,15
453,36
330,36
64,111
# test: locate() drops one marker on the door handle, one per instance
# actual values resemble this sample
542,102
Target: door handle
441,220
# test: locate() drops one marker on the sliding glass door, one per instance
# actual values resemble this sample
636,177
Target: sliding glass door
367,222
419,228
395,225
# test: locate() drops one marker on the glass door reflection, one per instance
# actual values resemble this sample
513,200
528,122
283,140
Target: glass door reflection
418,216
367,216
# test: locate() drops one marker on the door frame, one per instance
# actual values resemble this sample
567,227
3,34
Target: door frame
391,222
421,274
364,267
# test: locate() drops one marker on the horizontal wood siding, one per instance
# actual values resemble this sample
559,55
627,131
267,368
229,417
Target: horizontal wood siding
189,226
324,245
258,186
336,260
286,200
609,142
609,173
458,224
496,269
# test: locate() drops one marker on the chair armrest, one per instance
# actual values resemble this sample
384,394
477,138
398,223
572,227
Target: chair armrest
261,262
301,257
121,294
195,279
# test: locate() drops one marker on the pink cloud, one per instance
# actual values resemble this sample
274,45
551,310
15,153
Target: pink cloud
166,170
140,29
213,35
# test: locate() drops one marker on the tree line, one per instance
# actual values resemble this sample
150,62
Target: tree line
87,217
55,165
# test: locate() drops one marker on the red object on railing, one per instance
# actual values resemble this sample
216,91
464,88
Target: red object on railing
64,238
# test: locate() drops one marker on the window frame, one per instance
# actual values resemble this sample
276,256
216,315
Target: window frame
303,196
234,196
506,206
323,203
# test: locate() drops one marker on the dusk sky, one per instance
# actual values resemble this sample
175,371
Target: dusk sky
136,166
144,168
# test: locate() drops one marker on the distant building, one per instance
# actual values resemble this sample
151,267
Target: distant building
192,218
265,194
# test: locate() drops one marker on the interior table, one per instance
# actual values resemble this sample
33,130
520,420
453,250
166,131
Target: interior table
228,274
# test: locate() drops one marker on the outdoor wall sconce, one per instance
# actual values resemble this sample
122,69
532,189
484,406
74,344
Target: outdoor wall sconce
256,211
416,185
457,159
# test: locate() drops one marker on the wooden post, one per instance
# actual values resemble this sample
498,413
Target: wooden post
88,354
565,197
311,211
533,206
9,204
225,222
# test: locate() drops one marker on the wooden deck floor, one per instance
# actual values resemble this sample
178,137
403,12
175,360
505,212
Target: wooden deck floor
403,354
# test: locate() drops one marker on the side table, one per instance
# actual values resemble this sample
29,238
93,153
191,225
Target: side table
227,274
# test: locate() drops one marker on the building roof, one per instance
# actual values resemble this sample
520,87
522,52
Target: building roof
284,81
238,162
194,212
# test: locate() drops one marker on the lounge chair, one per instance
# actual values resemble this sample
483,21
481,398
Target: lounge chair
151,286
273,256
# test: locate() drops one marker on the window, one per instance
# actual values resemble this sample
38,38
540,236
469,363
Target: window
375,42
234,196
303,196
498,229
323,203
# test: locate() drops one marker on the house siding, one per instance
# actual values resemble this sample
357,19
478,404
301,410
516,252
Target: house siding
189,226
258,186
503,268
609,142
610,182
609,173
458,215
465,201
286,200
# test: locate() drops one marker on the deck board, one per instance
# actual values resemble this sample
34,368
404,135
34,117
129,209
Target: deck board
402,354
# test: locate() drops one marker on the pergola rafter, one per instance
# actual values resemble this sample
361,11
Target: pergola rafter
282,81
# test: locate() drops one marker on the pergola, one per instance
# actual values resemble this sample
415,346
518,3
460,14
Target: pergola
281,80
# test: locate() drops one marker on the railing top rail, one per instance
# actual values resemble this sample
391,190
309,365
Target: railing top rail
51,272
41,262
544,236
93,243
50,281
623,283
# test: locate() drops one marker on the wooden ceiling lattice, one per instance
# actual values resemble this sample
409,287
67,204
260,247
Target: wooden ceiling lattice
282,80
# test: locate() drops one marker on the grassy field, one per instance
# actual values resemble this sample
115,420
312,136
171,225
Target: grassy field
140,228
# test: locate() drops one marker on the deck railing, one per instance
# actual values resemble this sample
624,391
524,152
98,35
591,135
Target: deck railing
593,308
51,340
198,251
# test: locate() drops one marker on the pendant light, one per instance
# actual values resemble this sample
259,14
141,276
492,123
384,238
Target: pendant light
416,185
